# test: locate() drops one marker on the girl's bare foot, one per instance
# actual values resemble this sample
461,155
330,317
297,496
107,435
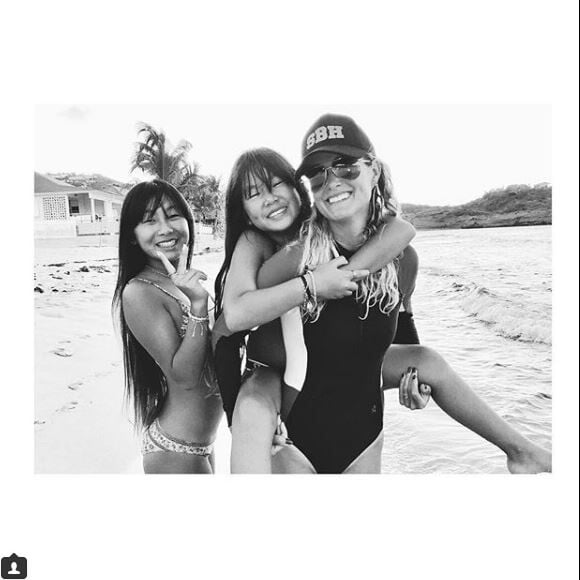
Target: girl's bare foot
532,459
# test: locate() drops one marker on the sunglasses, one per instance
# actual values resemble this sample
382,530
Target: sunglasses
317,177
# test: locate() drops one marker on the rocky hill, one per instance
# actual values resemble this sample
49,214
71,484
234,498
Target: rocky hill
514,205
91,181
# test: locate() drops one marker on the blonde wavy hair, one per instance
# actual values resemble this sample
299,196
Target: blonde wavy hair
320,247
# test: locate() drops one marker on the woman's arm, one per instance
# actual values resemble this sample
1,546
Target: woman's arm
408,269
181,360
407,274
381,249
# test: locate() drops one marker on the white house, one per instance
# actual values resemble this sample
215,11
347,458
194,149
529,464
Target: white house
61,210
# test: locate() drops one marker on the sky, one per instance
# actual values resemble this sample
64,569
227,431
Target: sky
438,154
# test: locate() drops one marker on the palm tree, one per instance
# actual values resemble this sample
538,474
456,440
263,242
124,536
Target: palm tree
153,156
205,197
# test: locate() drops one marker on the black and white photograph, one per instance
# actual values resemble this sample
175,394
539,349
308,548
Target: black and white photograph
286,292
324,255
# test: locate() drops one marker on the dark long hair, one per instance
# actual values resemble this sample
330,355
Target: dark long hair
266,165
145,383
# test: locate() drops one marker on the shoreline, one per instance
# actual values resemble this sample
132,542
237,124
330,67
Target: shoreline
482,227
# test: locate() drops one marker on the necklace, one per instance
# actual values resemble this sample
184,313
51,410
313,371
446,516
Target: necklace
158,272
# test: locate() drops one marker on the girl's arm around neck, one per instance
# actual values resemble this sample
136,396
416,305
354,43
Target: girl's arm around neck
245,306
181,360
382,248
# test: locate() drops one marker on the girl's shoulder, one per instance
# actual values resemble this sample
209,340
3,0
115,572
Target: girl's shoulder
255,242
256,237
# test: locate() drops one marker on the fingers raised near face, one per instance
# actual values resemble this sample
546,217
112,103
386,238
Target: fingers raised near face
192,276
166,263
197,276
182,264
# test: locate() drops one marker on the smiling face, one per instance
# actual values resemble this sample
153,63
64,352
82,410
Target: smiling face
271,209
164,230
341,199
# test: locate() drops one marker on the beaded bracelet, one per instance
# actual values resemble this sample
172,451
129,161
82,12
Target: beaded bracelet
307,293
313,294
201,321
310,301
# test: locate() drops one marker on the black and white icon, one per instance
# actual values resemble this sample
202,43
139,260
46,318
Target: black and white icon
13,567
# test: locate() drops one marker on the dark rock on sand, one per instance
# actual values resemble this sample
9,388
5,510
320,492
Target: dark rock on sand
62,351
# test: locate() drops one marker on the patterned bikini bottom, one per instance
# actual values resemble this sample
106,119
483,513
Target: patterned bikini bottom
155,440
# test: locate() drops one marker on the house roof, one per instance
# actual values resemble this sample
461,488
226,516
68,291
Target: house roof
44,184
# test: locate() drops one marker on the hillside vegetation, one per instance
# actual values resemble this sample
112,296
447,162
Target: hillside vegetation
514,205
90,181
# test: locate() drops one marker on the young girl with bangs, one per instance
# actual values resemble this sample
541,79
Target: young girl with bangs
162,309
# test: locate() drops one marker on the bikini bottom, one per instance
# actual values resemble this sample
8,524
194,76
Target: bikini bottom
156,440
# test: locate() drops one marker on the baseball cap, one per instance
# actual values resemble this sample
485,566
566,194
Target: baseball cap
334,133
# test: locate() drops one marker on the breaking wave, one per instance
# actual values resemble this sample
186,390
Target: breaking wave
511,319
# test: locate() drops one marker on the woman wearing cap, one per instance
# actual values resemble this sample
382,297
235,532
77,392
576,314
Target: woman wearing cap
264,211
336,422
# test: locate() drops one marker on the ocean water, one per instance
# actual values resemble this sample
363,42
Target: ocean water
484,301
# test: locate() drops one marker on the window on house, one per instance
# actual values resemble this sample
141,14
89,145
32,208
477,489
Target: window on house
54,207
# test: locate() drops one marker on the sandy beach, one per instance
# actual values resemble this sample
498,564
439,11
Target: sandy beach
81,421
473,316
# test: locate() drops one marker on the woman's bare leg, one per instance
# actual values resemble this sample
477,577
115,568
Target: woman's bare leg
459,401
291,460
211,459
254,422
369,461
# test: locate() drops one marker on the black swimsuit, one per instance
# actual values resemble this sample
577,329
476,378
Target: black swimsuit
339,411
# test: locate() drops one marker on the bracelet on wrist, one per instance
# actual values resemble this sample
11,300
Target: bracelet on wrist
310,296
311,279
307,292
201,322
